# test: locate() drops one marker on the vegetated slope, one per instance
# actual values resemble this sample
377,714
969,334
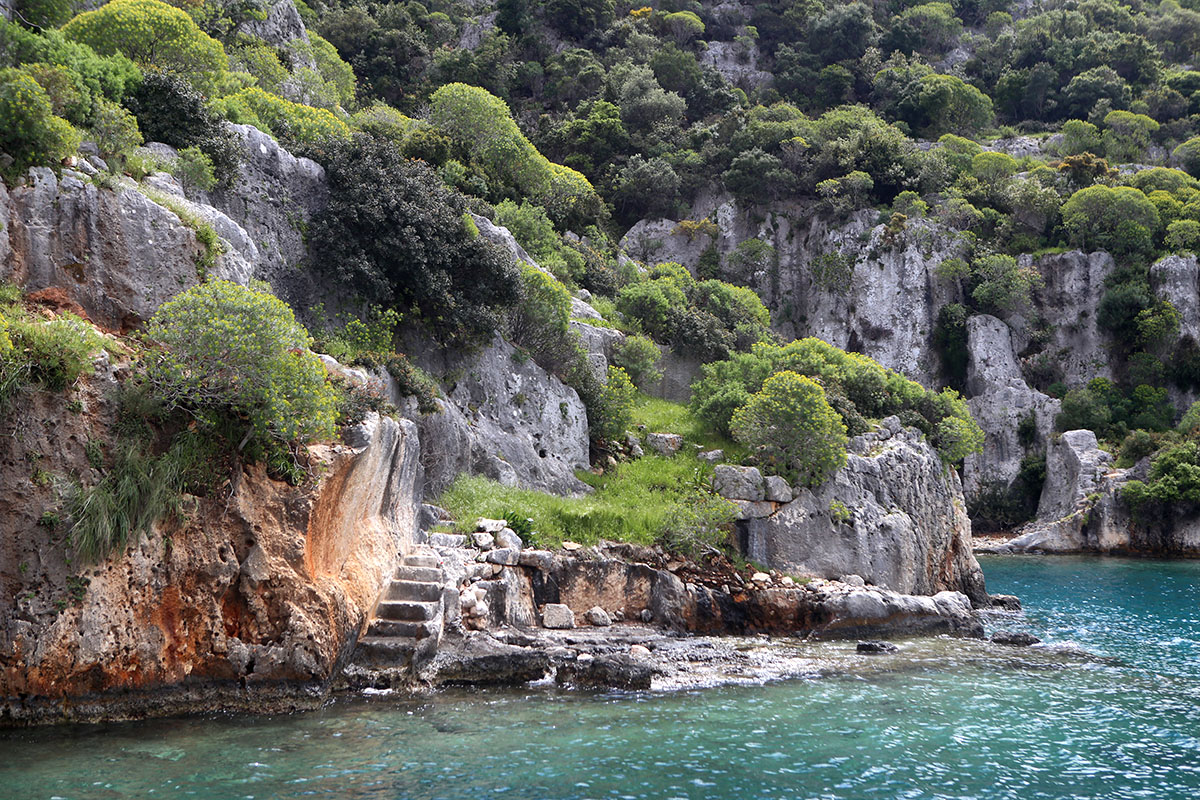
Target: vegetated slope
793,148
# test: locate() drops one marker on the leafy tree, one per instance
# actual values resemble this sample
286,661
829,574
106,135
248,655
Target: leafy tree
930,28
578,18
1188,156
645,187
1093,217
1087,89
394,233
790,424
843,33
1127,135
1079,137
172,111
29,131
153,33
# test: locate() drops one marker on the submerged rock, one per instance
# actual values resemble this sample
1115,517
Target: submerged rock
616,671
1015,638
876,647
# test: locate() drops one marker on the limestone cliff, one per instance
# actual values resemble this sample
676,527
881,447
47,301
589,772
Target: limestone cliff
894,515
253,601
1081,508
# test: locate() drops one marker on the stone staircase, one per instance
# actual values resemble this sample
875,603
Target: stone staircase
407,626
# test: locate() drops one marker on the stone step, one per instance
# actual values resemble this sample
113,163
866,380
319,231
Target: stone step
420,574
447,540
421,560
407,610
413,590
403,630
390,651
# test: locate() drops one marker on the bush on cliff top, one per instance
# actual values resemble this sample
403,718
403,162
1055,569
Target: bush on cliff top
236,361
855,386
395,234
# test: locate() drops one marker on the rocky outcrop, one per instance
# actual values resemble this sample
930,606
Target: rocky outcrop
852,283
117,254
1074,286
894,515
506,418
274,198
120,255
252,601
1001,401
282,24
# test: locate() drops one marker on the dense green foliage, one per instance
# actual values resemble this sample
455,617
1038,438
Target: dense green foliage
791,427
394,233
235,359
855,387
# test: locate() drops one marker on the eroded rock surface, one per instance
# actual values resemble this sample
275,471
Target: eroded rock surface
894,515
253,601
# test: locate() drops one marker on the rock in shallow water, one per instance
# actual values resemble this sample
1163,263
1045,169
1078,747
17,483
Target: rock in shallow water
1015,638
619,671
876,647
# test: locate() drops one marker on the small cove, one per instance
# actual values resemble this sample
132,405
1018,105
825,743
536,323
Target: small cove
1108,708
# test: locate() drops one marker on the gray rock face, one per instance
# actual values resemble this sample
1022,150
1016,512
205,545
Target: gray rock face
282,24
777,489
1080,508
738,483
505,418
274,198
1078,466
1000,401
907,528
1074,285
117,254
849,283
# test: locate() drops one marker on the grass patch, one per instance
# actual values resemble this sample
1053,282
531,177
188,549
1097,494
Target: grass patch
653,500
663,416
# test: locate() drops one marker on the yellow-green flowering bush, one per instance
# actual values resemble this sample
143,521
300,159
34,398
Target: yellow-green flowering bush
792,427
226,349
29,131
151,32
283,119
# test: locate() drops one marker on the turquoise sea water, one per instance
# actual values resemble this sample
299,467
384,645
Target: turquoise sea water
1110,709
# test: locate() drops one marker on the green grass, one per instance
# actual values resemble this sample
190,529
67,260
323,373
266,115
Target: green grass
663,416
652,500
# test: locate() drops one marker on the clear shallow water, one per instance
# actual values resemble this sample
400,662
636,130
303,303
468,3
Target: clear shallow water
1110,710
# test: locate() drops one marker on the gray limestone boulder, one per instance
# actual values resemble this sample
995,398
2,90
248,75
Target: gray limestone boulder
598,617
738,483
117,254
557,616
665,444
895,515
777,489
506,418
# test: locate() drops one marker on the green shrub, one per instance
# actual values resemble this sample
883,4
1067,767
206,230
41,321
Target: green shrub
194,169
225,351
115,132
1109,218
155,34
392,232
609,419
540,321
29,131
1174,479
639,357
291,123
51,354
171,111
791,426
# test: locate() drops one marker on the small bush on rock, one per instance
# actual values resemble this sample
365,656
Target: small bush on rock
792,427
